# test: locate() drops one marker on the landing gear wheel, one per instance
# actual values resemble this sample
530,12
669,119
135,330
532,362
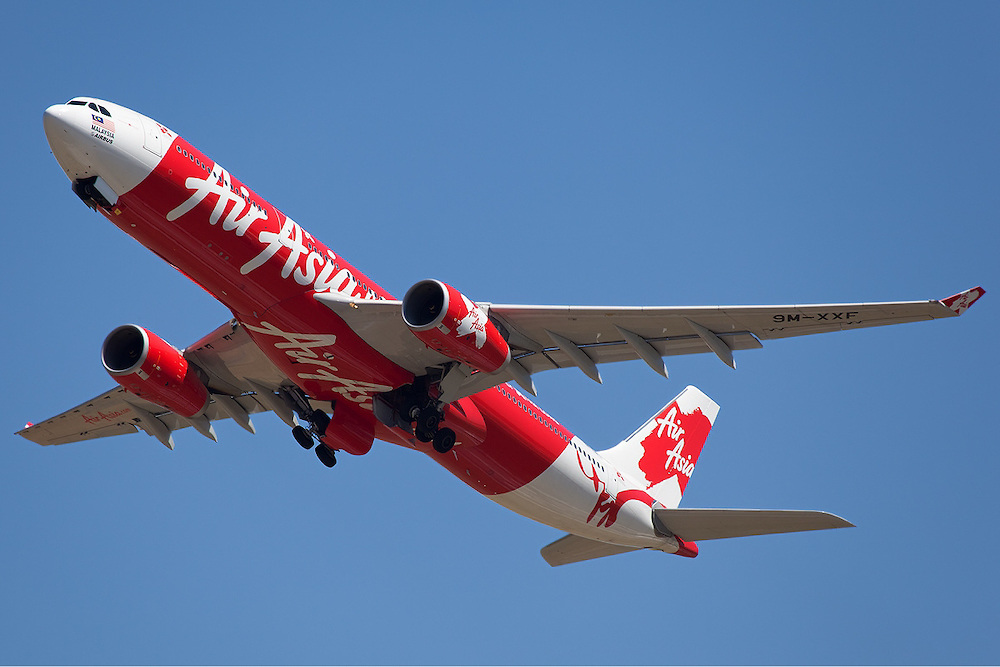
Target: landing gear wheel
423,436
303,437
444,440
428,421
326,456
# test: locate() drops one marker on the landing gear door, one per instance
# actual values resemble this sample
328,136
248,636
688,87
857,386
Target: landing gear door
152,137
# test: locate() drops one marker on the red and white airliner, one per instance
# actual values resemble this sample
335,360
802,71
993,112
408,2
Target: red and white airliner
344,363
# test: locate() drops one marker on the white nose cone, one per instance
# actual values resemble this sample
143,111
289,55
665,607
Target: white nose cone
109,142
68,130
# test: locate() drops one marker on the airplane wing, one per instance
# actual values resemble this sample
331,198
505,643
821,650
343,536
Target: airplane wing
240,379
548,337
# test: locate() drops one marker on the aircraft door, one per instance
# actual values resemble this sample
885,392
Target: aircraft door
152,137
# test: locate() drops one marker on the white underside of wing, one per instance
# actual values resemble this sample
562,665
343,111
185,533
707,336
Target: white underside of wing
549,337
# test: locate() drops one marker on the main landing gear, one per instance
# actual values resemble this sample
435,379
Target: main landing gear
423,415
415,408
443,440
318,421
326,455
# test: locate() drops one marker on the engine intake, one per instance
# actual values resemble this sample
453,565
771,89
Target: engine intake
449,322
152,369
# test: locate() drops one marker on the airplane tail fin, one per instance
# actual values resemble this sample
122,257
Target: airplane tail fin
662,453
661,456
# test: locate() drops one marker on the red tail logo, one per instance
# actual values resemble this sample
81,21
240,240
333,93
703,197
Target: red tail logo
672,448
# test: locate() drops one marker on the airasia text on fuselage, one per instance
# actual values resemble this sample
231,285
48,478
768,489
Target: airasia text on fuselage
309,262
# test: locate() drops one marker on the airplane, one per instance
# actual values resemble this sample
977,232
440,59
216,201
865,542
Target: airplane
344,363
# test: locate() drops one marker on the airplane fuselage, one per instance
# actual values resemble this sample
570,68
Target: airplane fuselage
265,268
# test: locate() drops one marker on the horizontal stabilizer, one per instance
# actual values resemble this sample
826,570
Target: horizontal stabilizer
573,549
693,525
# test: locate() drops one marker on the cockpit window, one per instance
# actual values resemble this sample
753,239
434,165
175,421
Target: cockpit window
99,108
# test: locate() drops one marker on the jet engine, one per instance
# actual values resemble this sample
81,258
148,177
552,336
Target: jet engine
152,369
449,322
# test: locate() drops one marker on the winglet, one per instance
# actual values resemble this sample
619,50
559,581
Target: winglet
959,303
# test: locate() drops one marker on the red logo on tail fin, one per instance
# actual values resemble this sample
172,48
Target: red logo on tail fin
672,448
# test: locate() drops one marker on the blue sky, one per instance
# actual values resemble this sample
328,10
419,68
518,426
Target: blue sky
667,154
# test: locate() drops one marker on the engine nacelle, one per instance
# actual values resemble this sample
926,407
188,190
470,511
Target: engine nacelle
449,322
152,369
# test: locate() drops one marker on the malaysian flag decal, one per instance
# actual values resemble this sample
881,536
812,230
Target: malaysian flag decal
107,124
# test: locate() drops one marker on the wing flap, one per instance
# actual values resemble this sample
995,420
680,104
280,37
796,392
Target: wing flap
694,525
